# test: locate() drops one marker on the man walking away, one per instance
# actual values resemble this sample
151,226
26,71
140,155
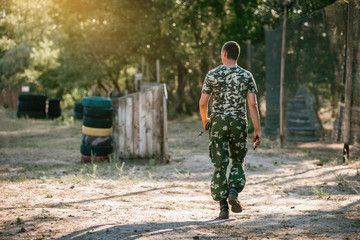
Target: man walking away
229,86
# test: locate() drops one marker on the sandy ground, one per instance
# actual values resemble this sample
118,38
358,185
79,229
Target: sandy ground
289,195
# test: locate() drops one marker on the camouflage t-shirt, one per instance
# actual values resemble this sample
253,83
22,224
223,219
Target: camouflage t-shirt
229,87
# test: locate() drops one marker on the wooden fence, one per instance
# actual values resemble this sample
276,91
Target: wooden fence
140,124
9,98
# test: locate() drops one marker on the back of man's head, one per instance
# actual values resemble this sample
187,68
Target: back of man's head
232,50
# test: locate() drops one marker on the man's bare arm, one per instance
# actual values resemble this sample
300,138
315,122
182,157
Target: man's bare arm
203,106
255,117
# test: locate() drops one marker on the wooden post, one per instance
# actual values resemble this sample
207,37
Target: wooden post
129,127
122,127
348,80
158,71
155,113
165,153
148,123
142,124
282,74
136,119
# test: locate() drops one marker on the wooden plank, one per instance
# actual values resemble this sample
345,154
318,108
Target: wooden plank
164,129
118,122
149,124
115,124
122,122
156,122
165,153
128,151
136,134
142,127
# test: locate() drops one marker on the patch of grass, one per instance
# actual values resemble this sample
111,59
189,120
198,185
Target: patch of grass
49,195
320,193
22,178
91,170
6,226
109,186
235,234
121,199
272,184
246,216
149,175
166,207
151,165
45,215
349,182
182,171
64,121
75,178
120,169
42,237
43,179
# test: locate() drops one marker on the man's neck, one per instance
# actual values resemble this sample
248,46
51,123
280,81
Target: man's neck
230,63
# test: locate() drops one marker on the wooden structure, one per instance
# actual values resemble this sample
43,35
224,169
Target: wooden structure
140,124
9,98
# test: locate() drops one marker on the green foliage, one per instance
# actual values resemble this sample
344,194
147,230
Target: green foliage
71,49
26,45
13,65
75,95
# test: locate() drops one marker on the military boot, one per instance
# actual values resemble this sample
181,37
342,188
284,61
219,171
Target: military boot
224,209
235,204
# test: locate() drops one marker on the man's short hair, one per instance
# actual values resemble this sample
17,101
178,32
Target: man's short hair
232,49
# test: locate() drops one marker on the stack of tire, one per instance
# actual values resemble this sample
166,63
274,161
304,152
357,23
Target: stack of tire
54,109
32,106
96,129
78,110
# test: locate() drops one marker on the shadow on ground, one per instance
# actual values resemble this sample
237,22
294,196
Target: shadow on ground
135,231
334,224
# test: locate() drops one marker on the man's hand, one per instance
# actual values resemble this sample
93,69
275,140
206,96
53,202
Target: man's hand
256,138
205,123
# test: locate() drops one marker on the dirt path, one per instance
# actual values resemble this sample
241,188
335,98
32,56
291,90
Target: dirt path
289,195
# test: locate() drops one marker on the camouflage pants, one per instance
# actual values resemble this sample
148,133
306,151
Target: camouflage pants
228,139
